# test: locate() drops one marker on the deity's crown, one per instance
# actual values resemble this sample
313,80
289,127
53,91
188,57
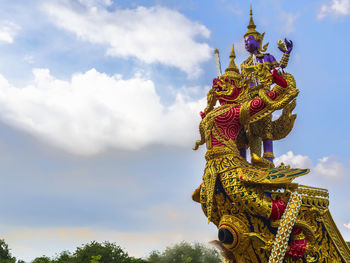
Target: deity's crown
252,32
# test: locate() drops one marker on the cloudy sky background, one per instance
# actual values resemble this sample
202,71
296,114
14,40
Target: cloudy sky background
99,103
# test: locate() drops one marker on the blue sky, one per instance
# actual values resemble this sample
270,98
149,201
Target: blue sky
99,104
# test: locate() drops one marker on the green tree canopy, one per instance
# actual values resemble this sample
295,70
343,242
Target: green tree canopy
93,252
102,252
108,252
186,253
64,257
42,259
5,254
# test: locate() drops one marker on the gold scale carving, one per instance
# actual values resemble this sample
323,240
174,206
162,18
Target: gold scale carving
312,218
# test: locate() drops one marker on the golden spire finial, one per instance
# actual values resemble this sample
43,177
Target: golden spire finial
251,21
232,69
233,54
251,26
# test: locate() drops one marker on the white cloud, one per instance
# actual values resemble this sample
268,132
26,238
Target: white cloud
94,3
329,167
336,8
326,167
289,21
152,35
347,225
93,112
294,160
8,31
29,59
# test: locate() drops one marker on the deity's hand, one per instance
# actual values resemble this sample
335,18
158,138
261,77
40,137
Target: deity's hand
288,45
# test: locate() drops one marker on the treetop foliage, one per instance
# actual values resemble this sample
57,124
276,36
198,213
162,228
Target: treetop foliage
186,253
107,252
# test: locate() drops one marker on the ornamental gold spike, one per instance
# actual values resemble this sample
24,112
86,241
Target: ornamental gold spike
251,21
251,26
232,69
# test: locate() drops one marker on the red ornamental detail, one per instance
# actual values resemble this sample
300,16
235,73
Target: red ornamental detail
256,106
229,125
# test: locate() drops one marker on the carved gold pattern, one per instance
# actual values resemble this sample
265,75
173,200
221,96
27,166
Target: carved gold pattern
238,194
288,219
284,60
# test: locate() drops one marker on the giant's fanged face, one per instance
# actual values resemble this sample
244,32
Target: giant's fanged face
225,89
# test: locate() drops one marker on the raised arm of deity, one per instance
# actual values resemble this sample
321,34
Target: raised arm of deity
256,61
